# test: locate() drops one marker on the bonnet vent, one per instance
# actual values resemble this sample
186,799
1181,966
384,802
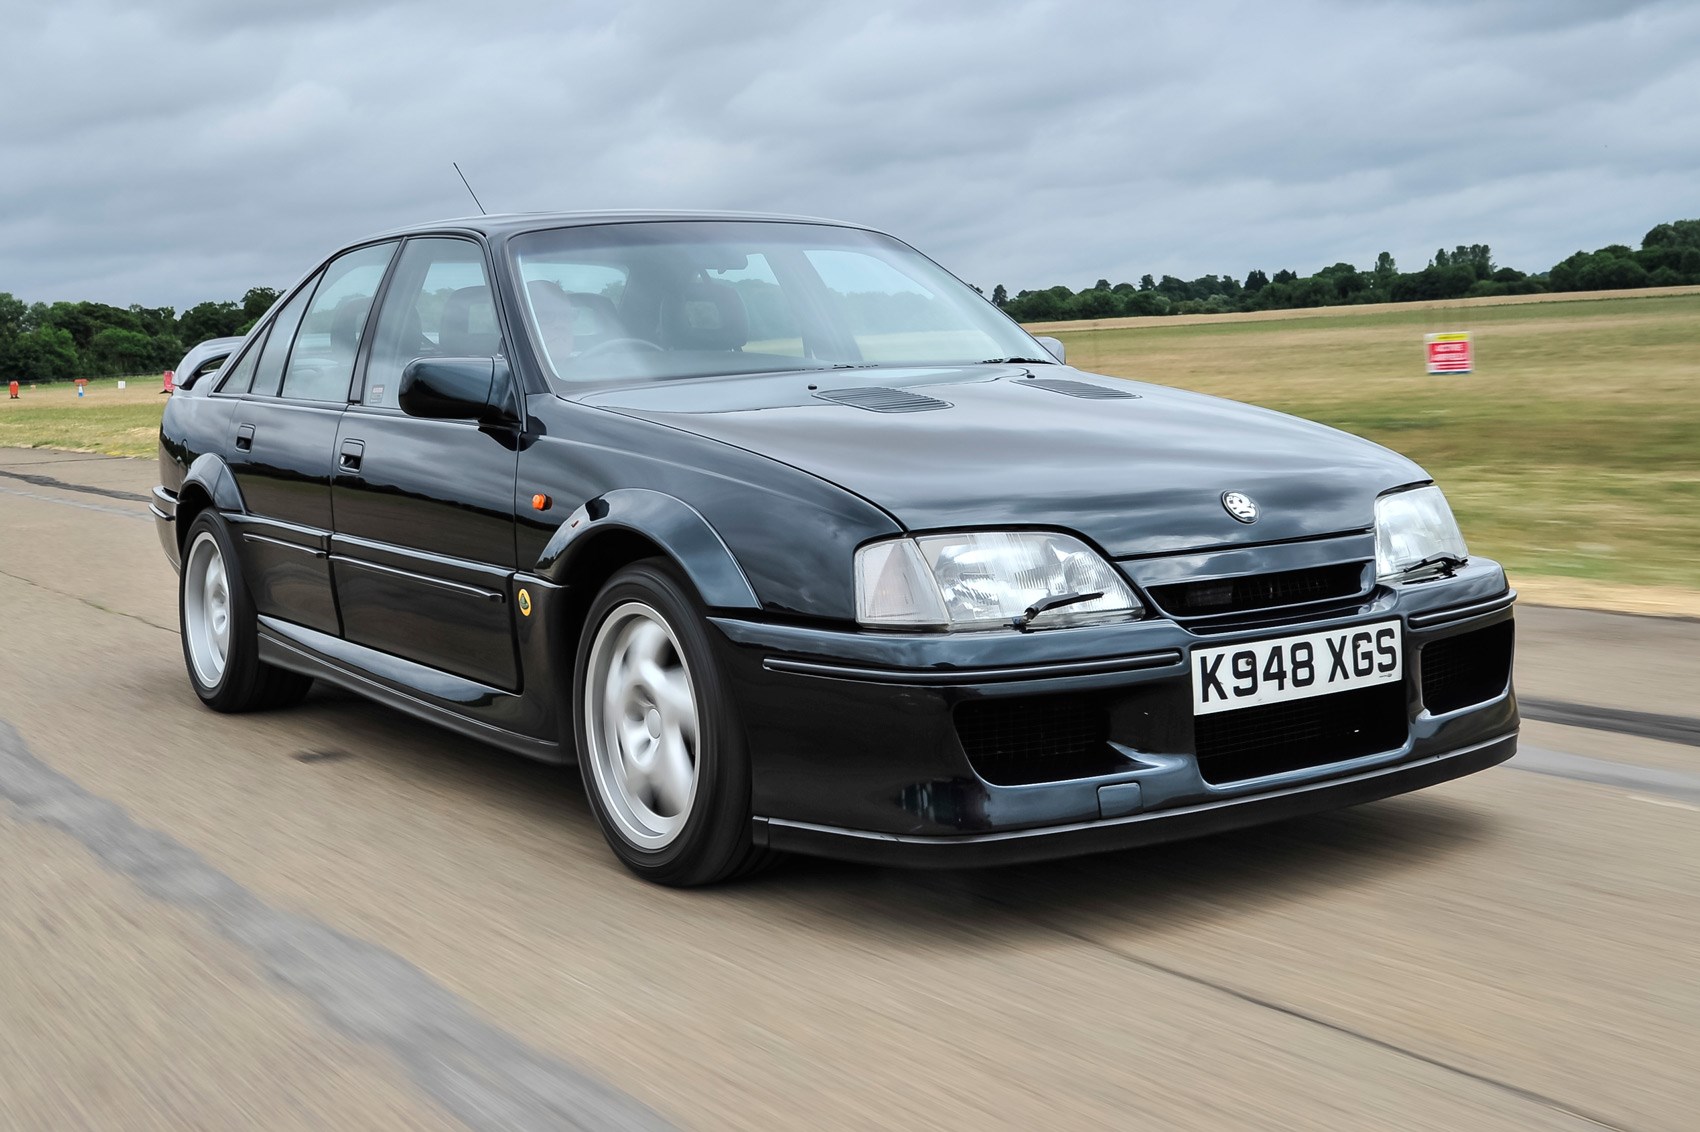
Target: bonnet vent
881,399
1082,389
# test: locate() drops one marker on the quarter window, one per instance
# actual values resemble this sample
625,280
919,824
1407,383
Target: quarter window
241,375
269,375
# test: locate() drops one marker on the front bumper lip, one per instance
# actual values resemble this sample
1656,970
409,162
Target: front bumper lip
1078,838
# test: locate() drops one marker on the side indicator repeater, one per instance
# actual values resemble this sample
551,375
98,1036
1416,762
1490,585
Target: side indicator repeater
540,502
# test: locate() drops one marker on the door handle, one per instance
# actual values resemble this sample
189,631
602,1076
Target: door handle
245,438
352,452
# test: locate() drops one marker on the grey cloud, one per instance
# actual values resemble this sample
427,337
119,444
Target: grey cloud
190,149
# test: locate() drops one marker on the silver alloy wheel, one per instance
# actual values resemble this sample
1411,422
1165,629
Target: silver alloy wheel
206,609
641,726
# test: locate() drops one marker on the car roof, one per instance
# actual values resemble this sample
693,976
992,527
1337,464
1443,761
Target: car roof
510,223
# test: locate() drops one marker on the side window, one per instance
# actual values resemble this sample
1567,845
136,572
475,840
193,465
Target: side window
322,362
438,305
269,375
241,375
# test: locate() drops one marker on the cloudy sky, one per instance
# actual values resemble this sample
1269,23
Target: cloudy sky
181,150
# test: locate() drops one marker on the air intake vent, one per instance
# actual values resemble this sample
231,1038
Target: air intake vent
1470,668
1017,742
1251,742
880,399
1082,389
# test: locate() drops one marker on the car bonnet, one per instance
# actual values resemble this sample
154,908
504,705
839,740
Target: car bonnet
1138,469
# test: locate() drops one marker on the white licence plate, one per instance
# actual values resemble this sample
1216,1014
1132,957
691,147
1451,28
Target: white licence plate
1296,668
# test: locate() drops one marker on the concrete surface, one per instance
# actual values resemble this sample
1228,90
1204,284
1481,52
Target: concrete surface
1513,950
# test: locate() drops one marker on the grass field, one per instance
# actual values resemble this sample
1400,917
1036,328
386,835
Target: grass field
1573,451
118,422
1572,454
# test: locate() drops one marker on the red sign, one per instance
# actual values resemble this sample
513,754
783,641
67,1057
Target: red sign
1449,353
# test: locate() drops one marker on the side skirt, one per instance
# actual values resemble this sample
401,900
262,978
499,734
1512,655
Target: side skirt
381,677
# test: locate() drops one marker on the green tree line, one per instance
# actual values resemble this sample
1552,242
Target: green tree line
1669,256
62,341
65,340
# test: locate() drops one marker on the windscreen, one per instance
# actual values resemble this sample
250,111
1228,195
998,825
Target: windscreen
660,301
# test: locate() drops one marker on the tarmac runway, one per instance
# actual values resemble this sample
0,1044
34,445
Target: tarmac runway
338,917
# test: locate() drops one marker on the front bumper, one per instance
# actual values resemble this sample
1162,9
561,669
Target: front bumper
1015,847
857,749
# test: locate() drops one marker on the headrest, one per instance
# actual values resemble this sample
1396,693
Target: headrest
553,304
346,321
595,315
705,315
468,327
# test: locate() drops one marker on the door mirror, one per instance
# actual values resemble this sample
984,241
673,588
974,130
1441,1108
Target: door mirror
457,389
1055,346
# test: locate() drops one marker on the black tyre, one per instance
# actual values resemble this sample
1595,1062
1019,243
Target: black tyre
215,613
660,746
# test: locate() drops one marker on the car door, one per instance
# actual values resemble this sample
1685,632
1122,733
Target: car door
283,436
423,549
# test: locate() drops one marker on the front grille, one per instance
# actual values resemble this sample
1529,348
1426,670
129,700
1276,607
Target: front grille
1470,668
1027,739
1260,591
1252,742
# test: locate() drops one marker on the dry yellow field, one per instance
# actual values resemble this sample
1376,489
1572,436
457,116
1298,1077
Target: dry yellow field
1357,311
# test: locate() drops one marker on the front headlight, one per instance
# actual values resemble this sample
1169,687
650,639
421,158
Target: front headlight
988,580
1415,529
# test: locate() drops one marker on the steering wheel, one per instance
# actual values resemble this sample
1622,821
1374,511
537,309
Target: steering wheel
604,347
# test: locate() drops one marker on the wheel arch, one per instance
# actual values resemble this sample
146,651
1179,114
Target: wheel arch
627,524
207,483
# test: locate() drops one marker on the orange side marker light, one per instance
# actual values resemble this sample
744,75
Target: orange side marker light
540,502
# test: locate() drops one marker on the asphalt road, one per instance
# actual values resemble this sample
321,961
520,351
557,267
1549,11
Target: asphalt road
338,917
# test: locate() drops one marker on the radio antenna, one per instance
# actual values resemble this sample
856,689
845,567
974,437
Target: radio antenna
468,185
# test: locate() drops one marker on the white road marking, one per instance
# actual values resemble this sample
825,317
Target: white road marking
1604,772
1665,802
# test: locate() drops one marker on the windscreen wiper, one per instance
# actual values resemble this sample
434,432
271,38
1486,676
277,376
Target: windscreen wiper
1055,601
1019,361
1445,564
